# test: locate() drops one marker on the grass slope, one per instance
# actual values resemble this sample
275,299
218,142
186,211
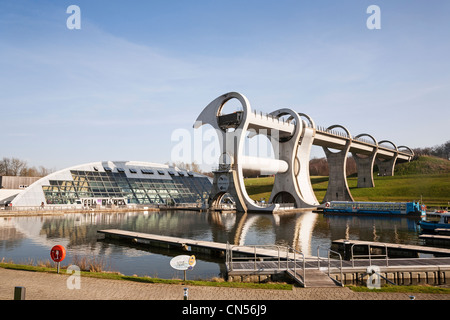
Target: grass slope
426,177
118,276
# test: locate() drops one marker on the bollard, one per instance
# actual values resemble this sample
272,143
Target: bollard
186,293
19,293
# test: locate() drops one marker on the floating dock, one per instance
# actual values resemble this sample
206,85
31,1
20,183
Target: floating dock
250,263
253,265
200,246
438,239
154,240
394,249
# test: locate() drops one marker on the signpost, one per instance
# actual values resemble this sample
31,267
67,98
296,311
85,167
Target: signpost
58,253
183,262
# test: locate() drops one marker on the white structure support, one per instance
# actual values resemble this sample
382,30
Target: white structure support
292,135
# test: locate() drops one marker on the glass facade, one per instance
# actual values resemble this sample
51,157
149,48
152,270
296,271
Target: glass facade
181,188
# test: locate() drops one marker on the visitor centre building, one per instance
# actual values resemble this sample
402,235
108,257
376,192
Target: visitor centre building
117,183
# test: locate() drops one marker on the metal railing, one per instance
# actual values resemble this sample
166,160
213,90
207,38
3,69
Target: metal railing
303,264
255,257
333,132
369,255
286,258
328,259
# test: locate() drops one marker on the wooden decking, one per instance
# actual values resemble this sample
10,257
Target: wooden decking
162,241
216,248
310,277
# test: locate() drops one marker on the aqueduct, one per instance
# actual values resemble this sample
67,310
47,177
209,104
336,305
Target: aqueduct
292,135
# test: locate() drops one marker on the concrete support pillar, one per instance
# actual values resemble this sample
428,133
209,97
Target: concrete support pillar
364,165
364,168
386,167
225,182
337,184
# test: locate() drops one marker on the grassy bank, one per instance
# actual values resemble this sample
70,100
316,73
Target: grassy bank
269,286
427,178
117,276
403,289
434,189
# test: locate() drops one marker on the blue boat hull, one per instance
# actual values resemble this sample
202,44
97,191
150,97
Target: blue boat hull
368,212
431,226
375,208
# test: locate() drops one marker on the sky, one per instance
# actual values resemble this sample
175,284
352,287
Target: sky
136,72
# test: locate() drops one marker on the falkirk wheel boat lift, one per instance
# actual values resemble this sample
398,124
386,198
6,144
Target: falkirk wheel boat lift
292,135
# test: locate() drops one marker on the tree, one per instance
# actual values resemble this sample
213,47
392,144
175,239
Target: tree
441,151
16,167
12,166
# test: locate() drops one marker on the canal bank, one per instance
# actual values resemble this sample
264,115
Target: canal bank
46,286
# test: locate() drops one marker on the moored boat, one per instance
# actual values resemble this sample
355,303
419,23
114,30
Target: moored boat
430,225
375,208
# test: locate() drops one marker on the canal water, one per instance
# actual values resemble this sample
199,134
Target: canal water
29,239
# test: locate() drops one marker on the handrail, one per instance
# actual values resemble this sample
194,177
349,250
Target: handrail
369,255
295,263
329,262
229,255
228,263
287,260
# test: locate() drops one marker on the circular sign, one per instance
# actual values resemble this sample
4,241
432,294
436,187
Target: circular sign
183,262
58,253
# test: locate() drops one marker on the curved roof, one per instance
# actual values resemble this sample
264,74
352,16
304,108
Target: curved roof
34,194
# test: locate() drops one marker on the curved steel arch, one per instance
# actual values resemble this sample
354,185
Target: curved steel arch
390,142
346,148
293,116
342,127
386,167
210,113
408,148
367,135
311,121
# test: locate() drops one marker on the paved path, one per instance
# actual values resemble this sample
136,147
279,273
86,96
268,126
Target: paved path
47,286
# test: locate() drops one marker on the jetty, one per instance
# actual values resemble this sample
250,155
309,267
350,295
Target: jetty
436,239
392,249
258,263
195,246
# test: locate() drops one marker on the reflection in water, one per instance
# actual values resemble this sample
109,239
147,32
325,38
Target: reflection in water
303,232
25,238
